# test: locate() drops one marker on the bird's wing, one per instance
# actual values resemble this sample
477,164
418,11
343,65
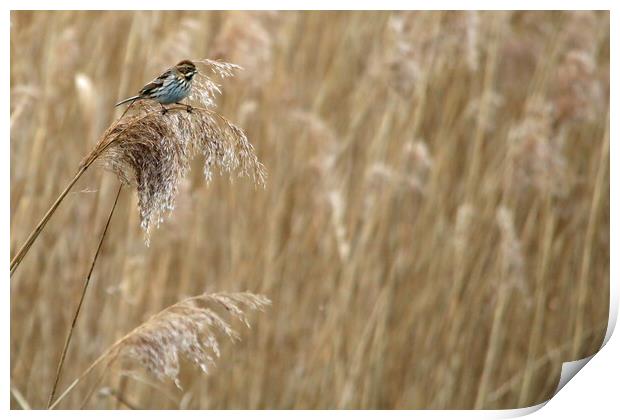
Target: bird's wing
155,84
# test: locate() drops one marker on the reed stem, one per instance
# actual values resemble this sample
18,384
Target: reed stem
17,259
79,307
90,158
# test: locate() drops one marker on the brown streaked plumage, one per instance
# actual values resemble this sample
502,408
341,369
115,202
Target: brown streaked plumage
172,86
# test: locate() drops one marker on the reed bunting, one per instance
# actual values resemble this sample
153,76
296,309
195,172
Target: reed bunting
174,85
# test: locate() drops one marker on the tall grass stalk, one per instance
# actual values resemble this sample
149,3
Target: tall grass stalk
65,348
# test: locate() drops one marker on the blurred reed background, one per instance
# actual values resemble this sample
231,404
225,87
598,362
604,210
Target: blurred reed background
434,232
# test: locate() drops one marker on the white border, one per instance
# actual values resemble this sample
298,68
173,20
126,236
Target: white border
313,5
593,394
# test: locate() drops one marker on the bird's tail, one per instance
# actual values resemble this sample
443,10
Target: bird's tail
124,101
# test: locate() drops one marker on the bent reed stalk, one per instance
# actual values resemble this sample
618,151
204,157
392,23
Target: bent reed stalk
151,150
215,145
23,250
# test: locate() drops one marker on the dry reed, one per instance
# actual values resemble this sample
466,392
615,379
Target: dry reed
152,151
188,329
393,139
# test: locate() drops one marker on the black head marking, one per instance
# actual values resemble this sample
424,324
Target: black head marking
187,69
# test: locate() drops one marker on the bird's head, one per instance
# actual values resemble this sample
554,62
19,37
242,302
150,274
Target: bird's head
187,69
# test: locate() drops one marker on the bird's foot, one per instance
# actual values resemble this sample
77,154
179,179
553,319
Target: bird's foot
188,107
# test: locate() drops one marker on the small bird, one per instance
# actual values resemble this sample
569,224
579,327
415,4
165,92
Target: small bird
174,85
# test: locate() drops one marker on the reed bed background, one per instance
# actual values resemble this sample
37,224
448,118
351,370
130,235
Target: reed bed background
434,231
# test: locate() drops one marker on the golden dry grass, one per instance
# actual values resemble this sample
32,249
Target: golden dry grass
434,232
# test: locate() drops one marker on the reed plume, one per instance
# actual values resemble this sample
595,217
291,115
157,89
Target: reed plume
188,329
151,151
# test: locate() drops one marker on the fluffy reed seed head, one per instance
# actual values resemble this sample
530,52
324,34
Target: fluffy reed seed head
536,150
188,329
204,89
511,252
152,151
